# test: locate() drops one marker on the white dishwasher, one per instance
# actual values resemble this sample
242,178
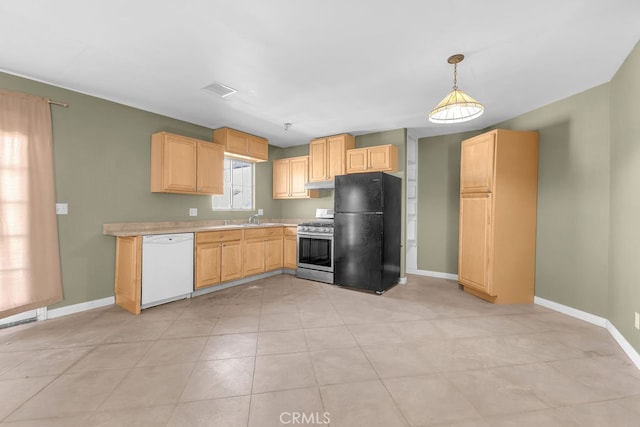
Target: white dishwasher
167,268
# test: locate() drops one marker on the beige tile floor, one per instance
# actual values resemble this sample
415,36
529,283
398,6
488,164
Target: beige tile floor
422,354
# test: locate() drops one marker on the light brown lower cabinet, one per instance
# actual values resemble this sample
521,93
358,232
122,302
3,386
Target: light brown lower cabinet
263,250
290,248
476,242
218,257
273,258
128,276
231,261
253,256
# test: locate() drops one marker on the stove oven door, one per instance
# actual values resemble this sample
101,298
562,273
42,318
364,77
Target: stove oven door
315,251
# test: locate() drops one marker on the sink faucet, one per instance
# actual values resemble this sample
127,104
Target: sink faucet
253,219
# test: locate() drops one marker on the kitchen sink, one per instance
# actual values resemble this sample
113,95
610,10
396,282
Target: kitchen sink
248,225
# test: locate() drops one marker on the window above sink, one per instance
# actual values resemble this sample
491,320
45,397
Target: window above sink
239,180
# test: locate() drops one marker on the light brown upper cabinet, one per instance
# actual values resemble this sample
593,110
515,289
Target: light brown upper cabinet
497,228
476,164
185,165
289,177
328,156
210,168
242,145
380,158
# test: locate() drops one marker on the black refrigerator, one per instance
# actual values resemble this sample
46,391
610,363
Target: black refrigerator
367,225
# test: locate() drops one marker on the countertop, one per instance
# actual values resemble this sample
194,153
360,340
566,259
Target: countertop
125,229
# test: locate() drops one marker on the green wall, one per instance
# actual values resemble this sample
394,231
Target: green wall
573,199
102,170
572,242
589,169
439,202
624,256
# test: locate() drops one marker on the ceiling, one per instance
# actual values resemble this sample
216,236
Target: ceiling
326,67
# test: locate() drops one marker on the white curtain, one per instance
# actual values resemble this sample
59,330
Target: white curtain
30,274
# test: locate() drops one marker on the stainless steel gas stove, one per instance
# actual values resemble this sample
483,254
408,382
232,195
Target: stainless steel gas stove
315,248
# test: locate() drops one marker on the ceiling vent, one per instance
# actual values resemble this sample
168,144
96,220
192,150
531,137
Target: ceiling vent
220,89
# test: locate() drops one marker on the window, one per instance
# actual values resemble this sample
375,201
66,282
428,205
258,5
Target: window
29,254
238,187
14,208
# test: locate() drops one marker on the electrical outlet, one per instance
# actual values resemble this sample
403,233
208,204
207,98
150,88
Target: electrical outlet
62,208
637,320
260,212
193,211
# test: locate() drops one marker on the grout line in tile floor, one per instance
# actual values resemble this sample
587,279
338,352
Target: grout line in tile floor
454,341
255,357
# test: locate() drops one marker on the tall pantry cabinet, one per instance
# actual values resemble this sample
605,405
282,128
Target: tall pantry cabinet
498,195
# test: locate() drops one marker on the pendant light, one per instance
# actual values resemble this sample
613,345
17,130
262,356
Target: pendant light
456,107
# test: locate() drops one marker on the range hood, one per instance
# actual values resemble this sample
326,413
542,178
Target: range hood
320,185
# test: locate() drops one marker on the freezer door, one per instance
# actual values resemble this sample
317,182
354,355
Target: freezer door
359,192
358,250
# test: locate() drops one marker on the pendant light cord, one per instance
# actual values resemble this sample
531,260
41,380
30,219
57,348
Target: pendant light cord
455,76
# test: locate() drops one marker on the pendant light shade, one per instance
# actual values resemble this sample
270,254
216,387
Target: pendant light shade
456,107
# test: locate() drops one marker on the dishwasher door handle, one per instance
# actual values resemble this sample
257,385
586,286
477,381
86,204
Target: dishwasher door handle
167,238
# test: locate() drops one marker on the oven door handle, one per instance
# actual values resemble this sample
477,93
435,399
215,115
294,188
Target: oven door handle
316,235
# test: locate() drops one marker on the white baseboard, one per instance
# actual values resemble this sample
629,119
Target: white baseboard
77,308
402,280
26,316
573,312
44,313
433,274
628,348
595,320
